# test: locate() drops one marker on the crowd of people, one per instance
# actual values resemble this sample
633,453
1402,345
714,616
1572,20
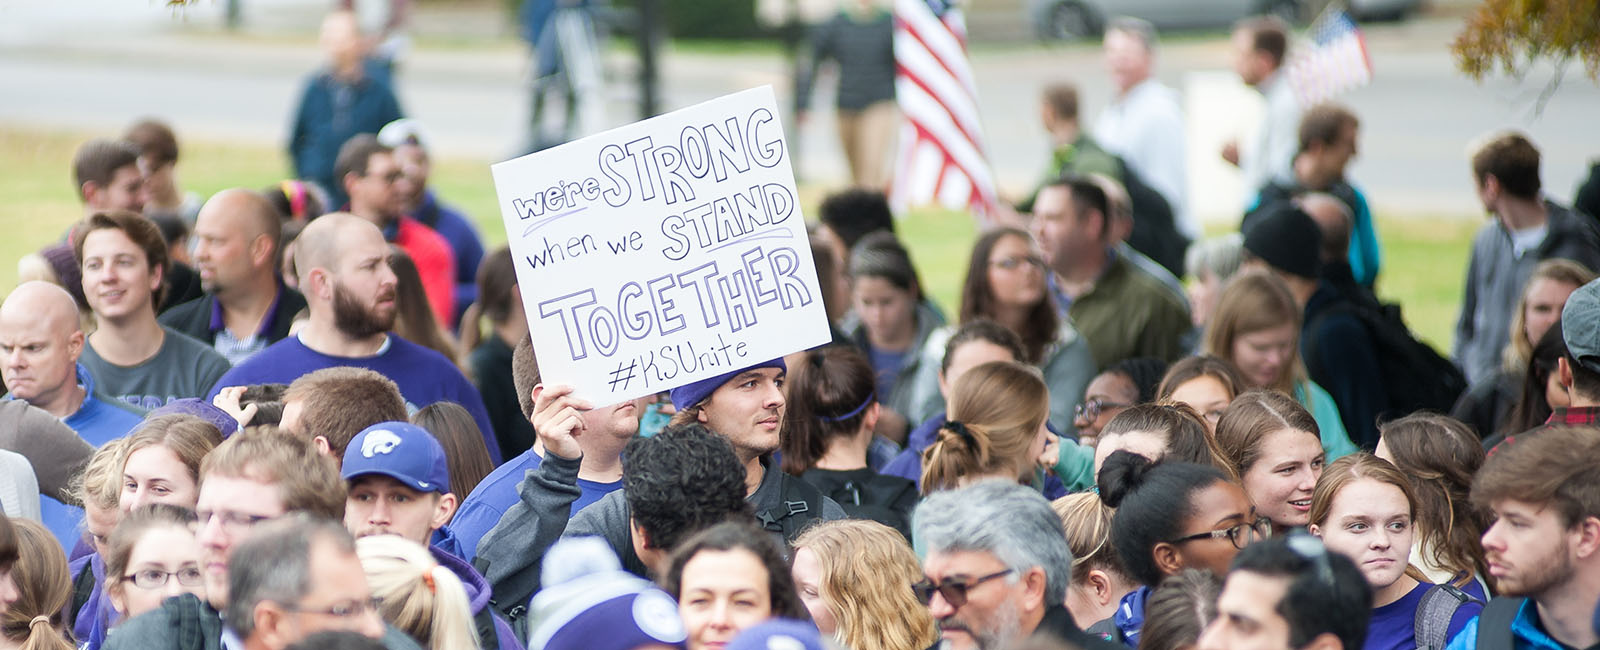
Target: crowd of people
311,416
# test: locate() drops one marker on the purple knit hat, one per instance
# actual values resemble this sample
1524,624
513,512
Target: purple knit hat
691,394
201,409
65,264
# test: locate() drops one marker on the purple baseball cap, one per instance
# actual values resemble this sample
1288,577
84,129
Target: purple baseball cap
402,451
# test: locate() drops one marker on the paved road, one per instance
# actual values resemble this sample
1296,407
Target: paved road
95,64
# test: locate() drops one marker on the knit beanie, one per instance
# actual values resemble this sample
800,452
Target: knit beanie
196,407
590,603
689,395
779,634
1288,240
65,264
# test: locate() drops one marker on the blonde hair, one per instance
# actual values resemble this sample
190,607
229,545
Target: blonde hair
421,597
43,589
1252,301
867,572
995,413
188,438
1517,353
1087,522
100,483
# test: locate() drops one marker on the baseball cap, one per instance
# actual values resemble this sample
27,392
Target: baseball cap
1580,325
403,131
402,451
691,394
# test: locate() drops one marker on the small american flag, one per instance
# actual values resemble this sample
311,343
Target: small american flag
941,157
1337,60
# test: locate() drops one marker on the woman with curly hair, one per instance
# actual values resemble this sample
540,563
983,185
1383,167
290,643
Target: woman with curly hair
855,578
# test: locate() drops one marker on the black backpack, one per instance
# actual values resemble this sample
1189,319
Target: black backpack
1415,377
798,505
1155,232
1494,624
887,500
1431,626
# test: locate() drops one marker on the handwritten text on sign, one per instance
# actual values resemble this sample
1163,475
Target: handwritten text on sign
663,252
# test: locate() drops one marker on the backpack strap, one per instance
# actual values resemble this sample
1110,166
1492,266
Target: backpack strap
1431,625
488,636
798,504
1494,624
83,586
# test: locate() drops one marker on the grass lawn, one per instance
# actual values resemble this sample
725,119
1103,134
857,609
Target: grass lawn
1424,256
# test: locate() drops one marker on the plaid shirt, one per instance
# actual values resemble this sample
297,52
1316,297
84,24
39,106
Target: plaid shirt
1574,416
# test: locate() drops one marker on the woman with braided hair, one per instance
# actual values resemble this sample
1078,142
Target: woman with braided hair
996,428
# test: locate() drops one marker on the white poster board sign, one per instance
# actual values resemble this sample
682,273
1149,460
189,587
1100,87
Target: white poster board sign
663,252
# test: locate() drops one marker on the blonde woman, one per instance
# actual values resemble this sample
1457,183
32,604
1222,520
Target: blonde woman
854,577
99,489
422,598
996,428
1099,581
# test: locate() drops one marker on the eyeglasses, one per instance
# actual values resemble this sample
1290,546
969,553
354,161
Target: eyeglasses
347,609
1091,409
188,576
1013,263
1241,534
1310,548
953,590
233,523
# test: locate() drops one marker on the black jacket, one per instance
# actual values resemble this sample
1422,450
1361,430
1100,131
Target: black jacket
194,317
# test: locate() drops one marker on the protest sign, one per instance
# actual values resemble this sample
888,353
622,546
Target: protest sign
663,252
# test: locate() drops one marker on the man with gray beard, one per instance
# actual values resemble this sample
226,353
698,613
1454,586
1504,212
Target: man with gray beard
996,568
343,264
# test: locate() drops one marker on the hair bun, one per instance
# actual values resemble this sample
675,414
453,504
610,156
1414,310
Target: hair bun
1123,472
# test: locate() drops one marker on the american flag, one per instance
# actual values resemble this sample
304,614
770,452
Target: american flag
1337,60
941,155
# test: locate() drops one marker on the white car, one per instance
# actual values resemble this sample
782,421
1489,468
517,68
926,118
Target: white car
1054,20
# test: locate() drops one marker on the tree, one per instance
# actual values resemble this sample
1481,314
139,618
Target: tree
1510,36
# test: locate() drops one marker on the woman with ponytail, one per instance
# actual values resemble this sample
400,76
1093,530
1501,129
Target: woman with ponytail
996,428
33,620
827,427
489,358
1171,516
421,597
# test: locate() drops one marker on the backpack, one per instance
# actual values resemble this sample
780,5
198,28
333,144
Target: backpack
1494,624
885,499
1415,377
798,505
1431,627
1154,232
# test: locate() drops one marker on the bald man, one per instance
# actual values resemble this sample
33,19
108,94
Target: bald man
246,306
342,262
39,347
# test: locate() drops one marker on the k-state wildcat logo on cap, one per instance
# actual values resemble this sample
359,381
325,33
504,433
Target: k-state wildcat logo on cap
379,442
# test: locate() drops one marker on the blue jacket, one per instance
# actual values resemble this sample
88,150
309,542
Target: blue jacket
332,111
98,421
464,242
1526,632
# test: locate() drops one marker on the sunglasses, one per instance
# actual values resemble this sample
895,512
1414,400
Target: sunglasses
954,590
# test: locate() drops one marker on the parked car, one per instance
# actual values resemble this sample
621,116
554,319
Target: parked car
1057,20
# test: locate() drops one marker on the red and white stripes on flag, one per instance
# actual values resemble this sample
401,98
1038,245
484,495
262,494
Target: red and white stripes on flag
941,157
1335,62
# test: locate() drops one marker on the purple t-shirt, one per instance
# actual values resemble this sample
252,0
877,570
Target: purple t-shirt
423,375
1393,626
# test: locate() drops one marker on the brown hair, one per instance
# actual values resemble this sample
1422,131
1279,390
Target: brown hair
1553,466
1439,455
1187,439
186,436
355,155
414,319
978,301
1268,35
1203,365
143,232
1349,469
1179,609
525,373
1252,301
8,544
995,413
1087,522
132,528
463,444
337,403
307,481
44,589
1520,350
155,141
1513,160
98,160
1062,98
1324,123
1251,418
497,290
828,398
867,572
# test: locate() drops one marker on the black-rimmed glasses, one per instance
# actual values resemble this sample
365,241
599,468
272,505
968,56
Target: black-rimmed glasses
953,590
1241,535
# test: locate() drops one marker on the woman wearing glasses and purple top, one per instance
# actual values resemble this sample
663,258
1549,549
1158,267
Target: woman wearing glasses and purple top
1170,516
153,555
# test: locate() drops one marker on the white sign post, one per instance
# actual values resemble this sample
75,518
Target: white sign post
663,252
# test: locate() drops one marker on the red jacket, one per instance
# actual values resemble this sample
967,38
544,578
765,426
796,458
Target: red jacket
435,263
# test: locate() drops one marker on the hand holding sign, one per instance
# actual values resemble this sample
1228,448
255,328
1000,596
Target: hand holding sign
663,252
558,420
